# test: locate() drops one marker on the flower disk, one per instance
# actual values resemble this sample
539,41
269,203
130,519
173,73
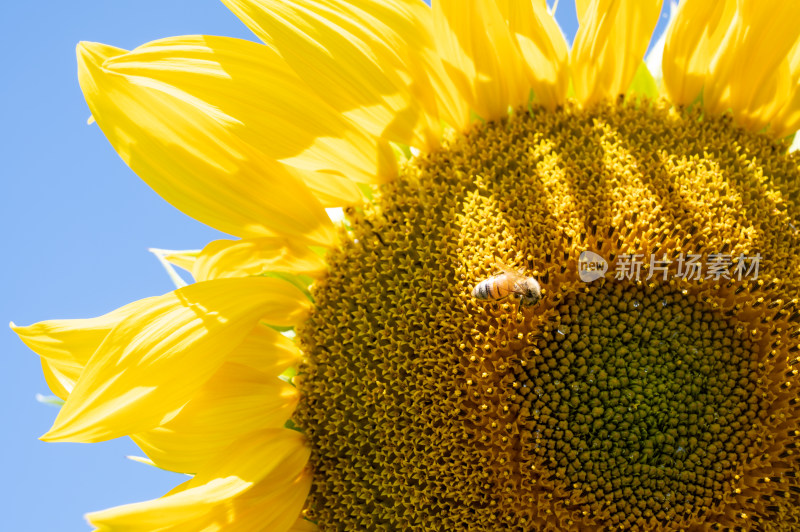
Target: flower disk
658,404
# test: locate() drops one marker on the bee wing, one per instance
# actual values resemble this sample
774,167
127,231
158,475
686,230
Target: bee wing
513,274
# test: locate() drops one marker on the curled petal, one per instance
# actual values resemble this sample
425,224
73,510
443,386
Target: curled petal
65,346
152,362
258,483
235,401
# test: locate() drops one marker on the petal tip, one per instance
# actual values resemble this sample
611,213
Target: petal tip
96,53
46,437
57,433
84,49
19,330
92,518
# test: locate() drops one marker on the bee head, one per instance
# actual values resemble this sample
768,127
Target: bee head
531,292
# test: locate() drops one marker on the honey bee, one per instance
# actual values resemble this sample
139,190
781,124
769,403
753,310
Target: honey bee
510,283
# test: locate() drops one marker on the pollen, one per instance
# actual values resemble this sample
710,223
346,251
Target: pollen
647,398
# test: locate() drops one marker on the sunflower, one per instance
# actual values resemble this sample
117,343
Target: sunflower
341,375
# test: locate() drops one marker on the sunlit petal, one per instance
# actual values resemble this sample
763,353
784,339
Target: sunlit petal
693,40
609,46
235,401
358,55
152,362
184,259
751,75
543,48
262,473
254,256
67,345
181,113
480,55
787,119
266,350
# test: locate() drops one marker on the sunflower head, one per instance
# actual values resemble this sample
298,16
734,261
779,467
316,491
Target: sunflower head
631,361
625,402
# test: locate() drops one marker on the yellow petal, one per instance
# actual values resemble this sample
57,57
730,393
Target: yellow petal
357,55
330,190
235,401
262,476
277,511
289,122
186,115
60,376
581,8
693,40
302,525
266,350
67,345
542,46
254,256
183,259
751,75
609,45
787,119
407,25
152,362
480,55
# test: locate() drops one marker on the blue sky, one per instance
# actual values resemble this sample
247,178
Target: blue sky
78,224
